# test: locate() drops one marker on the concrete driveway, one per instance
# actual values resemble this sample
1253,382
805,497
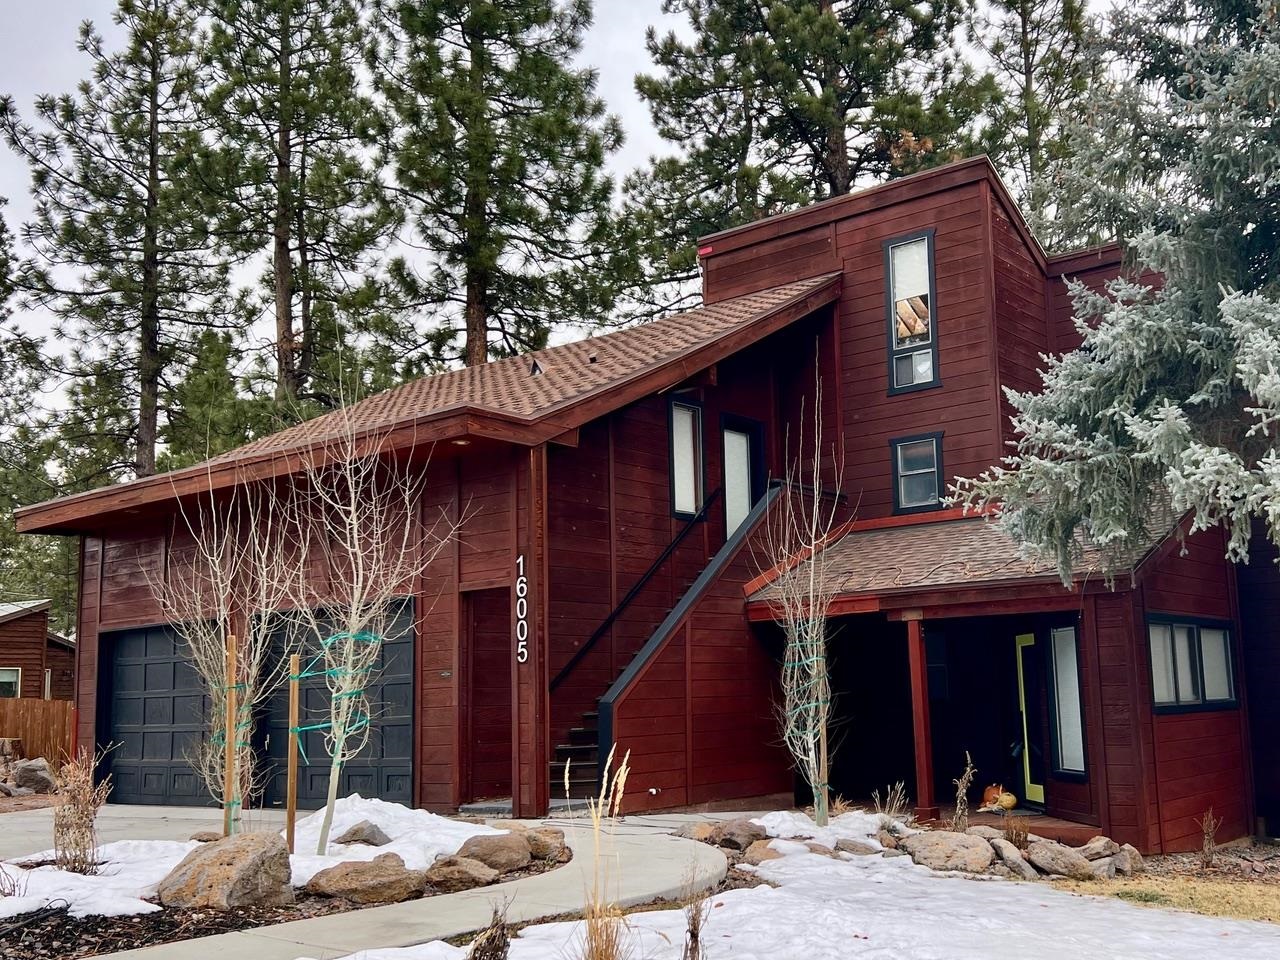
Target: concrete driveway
24,832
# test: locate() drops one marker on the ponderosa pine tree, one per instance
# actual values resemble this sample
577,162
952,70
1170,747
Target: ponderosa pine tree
1174,394
775,103
1043,58
290,177
117,253
498,152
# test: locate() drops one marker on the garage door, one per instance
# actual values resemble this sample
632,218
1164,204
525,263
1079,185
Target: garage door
158,708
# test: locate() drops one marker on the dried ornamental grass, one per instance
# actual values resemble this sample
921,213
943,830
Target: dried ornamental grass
605,928
1015,830
1208,825
494,941
75,810
960,822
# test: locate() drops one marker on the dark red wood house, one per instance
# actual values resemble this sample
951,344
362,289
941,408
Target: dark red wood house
604,591
35,663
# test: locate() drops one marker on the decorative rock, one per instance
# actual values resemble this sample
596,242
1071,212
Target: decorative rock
1013,859
5,789
821,849
998,869
702,832
760,851
1099,847
451,874
1123,862
944,850
383,879
511,826
1104,868
986,833
503,852
20,791
1136,864
738,834
35,775
887,840
893,852
858,848
547,843
251,869
1057,859
206,836
366,832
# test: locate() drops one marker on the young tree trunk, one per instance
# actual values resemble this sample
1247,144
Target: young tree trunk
1029,93
149,362
306,356
281,262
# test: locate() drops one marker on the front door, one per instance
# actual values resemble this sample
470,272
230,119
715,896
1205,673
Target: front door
1030,670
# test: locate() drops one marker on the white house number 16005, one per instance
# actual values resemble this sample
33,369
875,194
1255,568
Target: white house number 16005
522,612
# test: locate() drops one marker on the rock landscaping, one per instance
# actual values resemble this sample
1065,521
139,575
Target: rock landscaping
23,778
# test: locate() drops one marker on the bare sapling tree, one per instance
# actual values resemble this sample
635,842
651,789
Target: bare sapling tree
75,811
230,577
360,507
805,518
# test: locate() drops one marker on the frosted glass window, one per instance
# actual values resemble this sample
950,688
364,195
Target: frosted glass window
1191,665
686,458
911,336
10,682
1066,689
1162,681
737,478
1216,657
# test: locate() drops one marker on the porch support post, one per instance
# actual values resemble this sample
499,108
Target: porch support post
926,804
530,708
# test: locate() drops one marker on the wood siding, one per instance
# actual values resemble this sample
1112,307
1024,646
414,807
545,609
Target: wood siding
23,644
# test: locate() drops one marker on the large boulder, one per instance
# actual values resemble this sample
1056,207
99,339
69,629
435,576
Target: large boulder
1013,859
985,832
944,850
206,836
738,834
1136,864
503,852
759,852
547,843
1059,860
251,869
366,832
1099,847
1103,868
857,847
5,789
384,879
699,830
35,775
451,874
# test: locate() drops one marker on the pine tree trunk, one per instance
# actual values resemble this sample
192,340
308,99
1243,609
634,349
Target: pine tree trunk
837,152
1029,94
281,262
306,356
474,210
149,362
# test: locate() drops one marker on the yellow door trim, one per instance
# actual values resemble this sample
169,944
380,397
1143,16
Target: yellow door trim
1034,791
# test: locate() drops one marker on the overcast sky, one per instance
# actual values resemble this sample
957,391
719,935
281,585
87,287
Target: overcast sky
38,55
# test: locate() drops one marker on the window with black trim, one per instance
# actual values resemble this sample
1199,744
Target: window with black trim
1068,709
686,458
917,472
913,335
1190,664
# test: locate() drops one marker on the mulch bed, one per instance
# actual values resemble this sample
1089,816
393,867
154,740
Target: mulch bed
1255,861
52,934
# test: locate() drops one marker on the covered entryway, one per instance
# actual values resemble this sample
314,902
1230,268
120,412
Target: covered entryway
157,718
487,685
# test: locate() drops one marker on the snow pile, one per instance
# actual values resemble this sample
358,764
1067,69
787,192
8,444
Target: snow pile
875,908
417,836
854,825
130,871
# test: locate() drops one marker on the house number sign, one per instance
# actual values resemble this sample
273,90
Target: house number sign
522,611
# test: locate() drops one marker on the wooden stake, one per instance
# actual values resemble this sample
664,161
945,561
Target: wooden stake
291,794
230,735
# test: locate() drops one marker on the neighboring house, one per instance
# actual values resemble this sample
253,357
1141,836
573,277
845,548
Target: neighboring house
34,663
604,592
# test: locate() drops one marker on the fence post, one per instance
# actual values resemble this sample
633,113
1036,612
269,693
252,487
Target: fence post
291,795
231,736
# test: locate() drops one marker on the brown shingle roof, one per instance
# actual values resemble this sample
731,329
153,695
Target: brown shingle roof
968,552
566,373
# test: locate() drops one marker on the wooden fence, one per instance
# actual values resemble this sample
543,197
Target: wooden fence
46,727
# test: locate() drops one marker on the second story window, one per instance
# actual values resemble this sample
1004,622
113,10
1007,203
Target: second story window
917,473
686,459
913,339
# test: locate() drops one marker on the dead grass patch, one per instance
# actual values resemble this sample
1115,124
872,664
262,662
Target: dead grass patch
1240,899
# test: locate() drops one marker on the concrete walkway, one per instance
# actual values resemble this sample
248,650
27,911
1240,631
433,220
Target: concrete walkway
639,867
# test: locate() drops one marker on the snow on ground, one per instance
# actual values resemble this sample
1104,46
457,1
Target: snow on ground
854,825
872,908
131,869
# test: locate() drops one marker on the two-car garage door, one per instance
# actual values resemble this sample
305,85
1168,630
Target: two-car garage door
158,706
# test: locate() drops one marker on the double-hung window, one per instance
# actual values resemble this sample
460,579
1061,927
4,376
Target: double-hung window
913,336
917,472
686,458
1190,664
10,682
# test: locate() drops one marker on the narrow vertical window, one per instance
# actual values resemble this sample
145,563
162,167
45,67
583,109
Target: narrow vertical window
1068,714
917,473
686,459
738,497
913,342
48,683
